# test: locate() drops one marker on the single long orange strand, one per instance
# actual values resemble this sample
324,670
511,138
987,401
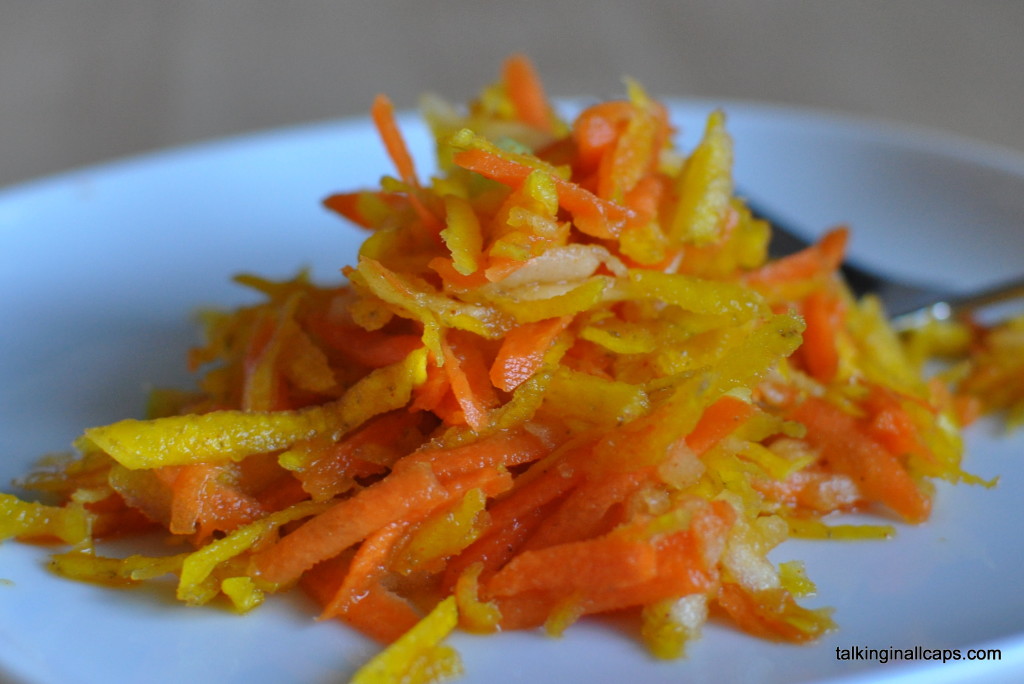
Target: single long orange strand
822,313
526,91
819,259
383,114
592,565
501,449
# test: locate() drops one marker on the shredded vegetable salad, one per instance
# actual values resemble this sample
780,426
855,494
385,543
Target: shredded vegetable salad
561,378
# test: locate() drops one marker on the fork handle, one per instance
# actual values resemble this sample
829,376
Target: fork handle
951,307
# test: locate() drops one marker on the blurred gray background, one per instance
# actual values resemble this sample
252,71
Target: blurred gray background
86,81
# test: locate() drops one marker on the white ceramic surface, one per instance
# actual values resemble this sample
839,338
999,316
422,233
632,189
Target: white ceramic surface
101,269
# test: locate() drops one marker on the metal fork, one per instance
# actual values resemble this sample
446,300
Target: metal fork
907,304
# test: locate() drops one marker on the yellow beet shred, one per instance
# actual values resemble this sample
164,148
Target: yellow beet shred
561,378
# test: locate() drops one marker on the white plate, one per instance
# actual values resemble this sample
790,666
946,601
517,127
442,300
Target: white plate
101,268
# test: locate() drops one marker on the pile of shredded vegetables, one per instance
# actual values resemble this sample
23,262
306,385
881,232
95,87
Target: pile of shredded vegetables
562,378
984,364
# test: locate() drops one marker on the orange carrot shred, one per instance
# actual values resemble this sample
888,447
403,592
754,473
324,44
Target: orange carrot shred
506,449
406,493
522,351
718,421
367,566
596,129
467,376
588,511
849,449
512,519
772,614
383,114
527,93
818,260
822,312
605,563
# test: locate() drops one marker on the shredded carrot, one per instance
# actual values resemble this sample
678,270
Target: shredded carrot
561,378
364,572
468,378
594,216
590,510
890,422
718,420
596,129
822,312
405,494
383,114
326,469
513,519
187,497
370,348
772,614
522,351
381,614
527,93
848,448
816,261
460,281
597,564
366,209
506,449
